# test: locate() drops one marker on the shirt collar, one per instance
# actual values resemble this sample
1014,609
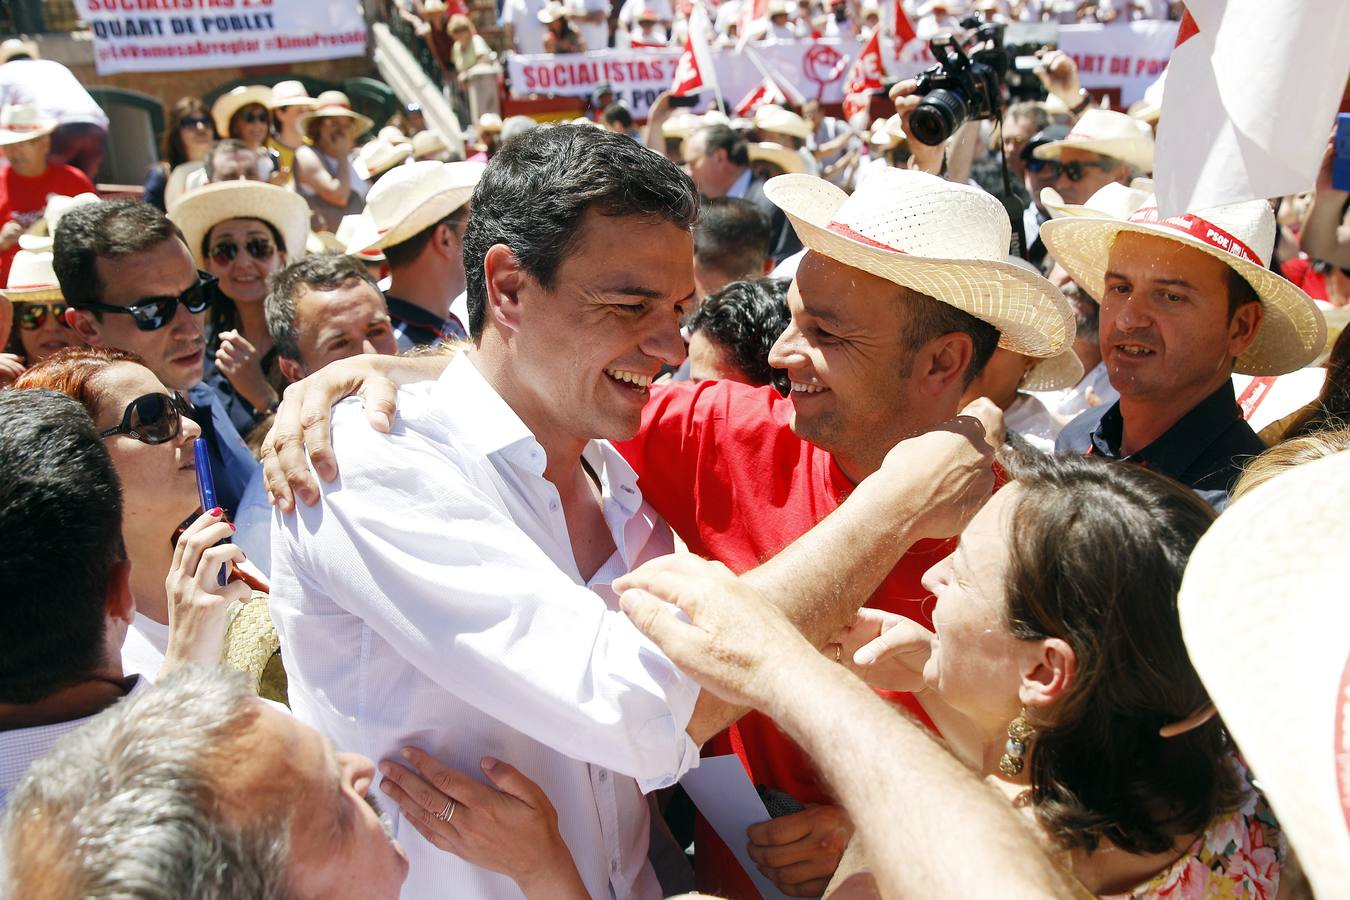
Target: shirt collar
1178,448
740,185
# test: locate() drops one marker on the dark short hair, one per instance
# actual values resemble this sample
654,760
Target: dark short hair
1099,552
109,229
61,514
321,272
732,237
538,186
723,137
617,113
405,253
929,319
224,145
744,319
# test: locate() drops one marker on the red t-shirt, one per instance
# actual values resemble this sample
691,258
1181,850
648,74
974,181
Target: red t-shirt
719,461
23,200
1301,272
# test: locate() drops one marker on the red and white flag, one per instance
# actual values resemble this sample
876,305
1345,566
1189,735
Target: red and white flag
688,73
694,72
1251,94
864,78
754,19
902,30
766,93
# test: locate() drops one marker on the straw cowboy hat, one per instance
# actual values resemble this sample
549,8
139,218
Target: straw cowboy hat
412,198
231,102
21,122
681,125
781,121
948,241
42,232
1241,235
489,123
551,13
1105,133
290,93
201,210
379,156
428,145
17,47
32,278
785,158
1265,621
1054,373
335,104
348,229
1114,200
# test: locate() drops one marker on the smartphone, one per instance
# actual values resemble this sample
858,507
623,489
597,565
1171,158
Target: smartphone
687,100
206,492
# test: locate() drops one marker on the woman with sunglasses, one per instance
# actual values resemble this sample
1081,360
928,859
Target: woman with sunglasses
189,135
149,438
40,328
243,114
242,232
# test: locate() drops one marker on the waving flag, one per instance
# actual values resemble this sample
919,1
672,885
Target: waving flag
902,29
1252,92
864,78
694,72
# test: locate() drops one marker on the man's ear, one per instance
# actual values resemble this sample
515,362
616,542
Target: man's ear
504,279
85,325
291,369
941,363
1242,329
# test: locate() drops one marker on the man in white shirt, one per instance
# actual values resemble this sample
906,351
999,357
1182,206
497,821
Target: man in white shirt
64,578
464,559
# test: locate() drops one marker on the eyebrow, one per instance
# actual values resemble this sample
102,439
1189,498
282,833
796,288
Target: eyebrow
634,290
1178,282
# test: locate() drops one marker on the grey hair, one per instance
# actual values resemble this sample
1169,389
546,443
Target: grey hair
321,272
125,809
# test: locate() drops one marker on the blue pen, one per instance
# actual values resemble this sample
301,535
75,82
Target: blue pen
206,491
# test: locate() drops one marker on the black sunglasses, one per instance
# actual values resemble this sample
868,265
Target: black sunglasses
33,316
1073,171
153,418
254,117
195,122
258,248
152,313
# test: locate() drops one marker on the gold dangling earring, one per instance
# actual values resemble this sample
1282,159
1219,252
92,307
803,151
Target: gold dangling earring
1019,734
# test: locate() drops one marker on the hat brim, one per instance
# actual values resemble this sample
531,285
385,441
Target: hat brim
9,138
1032,316
368,169
33,295
368,236
292,101
197,212
790,161
1054,373
364,123
1292,331
227,105
1136,152
38,243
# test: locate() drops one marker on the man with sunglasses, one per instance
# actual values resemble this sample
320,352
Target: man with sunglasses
1038,174
130,283
1102,147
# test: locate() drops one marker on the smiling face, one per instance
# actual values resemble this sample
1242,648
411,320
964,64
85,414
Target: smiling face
340,844
159,481
175,352
29,158
975,664
252,125
1165,328
244,278
338,323
850,366
1098,172
51,337
588,349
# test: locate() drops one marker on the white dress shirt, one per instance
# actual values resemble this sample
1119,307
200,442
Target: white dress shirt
143,650
432,599
1094,390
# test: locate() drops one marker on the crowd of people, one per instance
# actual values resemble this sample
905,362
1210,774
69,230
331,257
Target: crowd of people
384,523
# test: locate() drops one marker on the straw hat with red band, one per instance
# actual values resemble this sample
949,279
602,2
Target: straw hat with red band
32,278
21,122
1266,623
201,210
1241,235
412,198
1105,133
335,105
946,240
231,102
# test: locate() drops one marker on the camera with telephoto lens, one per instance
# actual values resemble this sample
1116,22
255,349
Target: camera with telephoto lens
965,83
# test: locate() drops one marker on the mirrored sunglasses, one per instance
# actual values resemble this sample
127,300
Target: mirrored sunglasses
33,316
225,252
152,313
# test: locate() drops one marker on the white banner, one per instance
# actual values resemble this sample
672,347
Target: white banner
177,35
1121,60
637,76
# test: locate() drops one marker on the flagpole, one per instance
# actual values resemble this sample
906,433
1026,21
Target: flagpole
700,41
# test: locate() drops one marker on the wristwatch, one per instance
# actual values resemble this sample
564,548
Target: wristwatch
1084,102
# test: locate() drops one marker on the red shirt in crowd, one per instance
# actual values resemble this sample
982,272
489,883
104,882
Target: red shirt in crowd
1301,272
24,199
718,460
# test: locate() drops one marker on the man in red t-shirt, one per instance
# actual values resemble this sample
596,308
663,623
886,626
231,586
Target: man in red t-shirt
27,182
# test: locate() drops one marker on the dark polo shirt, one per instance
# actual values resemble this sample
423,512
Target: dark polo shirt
1205,450
415,327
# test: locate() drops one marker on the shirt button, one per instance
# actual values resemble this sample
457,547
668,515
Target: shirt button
553,505
604,775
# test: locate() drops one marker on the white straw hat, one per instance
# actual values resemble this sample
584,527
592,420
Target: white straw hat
17,47
379,156
1266,623
1241,235
428,144
785,158
201,210
681,125
781,121
21,122
551,13
1113,200
1105,133
412,198
490,123
231,102
348,229
290,93
1054,373
335,104
948,241
42,232
32,278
